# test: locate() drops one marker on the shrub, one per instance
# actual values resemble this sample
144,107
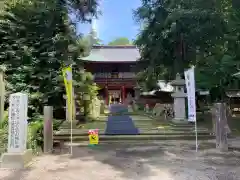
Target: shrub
35,134
3,139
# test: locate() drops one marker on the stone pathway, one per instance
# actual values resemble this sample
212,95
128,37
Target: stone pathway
172,160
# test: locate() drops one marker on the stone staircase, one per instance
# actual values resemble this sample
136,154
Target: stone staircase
120,126
167,132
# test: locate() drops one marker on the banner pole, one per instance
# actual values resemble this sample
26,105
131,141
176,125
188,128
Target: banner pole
71,138
190,86
196,134
67,74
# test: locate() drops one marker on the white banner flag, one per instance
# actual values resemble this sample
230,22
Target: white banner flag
190,85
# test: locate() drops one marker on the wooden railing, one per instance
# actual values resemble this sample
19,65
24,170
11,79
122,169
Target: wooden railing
120,75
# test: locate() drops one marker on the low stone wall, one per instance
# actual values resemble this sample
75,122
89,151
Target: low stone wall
163,110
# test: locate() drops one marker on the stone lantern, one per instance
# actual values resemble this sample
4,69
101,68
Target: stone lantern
179,100
137,91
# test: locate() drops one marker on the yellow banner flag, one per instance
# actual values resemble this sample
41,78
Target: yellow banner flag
67,75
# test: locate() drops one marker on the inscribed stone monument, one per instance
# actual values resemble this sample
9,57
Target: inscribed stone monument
17,154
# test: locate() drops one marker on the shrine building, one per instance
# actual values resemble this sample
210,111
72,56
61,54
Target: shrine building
114,70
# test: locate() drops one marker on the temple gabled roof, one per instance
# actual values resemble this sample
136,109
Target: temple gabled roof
113,54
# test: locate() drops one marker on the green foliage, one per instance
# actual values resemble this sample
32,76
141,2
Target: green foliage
178,34
37,39
35,134
3,139
120,41
4,121
84,84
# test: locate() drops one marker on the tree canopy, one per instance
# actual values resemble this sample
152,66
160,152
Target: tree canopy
120,41
37,40
179,34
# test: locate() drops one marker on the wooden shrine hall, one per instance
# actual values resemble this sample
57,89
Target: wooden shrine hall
114,72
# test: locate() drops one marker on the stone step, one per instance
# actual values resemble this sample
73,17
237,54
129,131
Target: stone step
138,124
181,125
80,132
186,128
134,137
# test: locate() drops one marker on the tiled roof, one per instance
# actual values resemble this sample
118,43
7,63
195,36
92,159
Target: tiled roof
113,54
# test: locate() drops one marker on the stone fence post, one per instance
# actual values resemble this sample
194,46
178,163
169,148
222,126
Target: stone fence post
48,129
220,125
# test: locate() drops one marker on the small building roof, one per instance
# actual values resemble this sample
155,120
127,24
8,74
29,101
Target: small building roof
113,54
233,93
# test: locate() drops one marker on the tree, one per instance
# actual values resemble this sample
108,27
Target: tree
38,39
121,41
174,30
214,71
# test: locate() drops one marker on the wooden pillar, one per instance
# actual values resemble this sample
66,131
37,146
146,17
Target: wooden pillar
123,94
2,95
48,129
221,126
106,95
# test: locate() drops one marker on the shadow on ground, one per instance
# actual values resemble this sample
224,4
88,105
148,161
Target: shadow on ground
169,160
18,174
144,160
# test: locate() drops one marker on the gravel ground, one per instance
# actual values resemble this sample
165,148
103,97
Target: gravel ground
167,160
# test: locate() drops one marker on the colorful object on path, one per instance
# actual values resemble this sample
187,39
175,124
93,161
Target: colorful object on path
93,136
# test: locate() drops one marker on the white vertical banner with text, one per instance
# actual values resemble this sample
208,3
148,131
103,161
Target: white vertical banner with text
190,85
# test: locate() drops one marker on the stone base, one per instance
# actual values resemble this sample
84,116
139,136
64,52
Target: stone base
130,109
16,160
180,121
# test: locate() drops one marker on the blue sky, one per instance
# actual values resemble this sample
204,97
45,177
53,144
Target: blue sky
116,20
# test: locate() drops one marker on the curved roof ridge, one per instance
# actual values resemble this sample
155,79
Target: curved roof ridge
113,54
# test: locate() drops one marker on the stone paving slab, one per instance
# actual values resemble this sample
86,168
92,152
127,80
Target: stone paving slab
172,160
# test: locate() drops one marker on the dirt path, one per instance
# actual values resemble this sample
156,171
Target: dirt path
172,160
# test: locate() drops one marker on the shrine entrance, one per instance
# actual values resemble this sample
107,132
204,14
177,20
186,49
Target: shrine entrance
114,96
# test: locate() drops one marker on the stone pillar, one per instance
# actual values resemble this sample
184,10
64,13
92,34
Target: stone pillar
18,155
2,95
137,92
106,95
48,129
221,126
